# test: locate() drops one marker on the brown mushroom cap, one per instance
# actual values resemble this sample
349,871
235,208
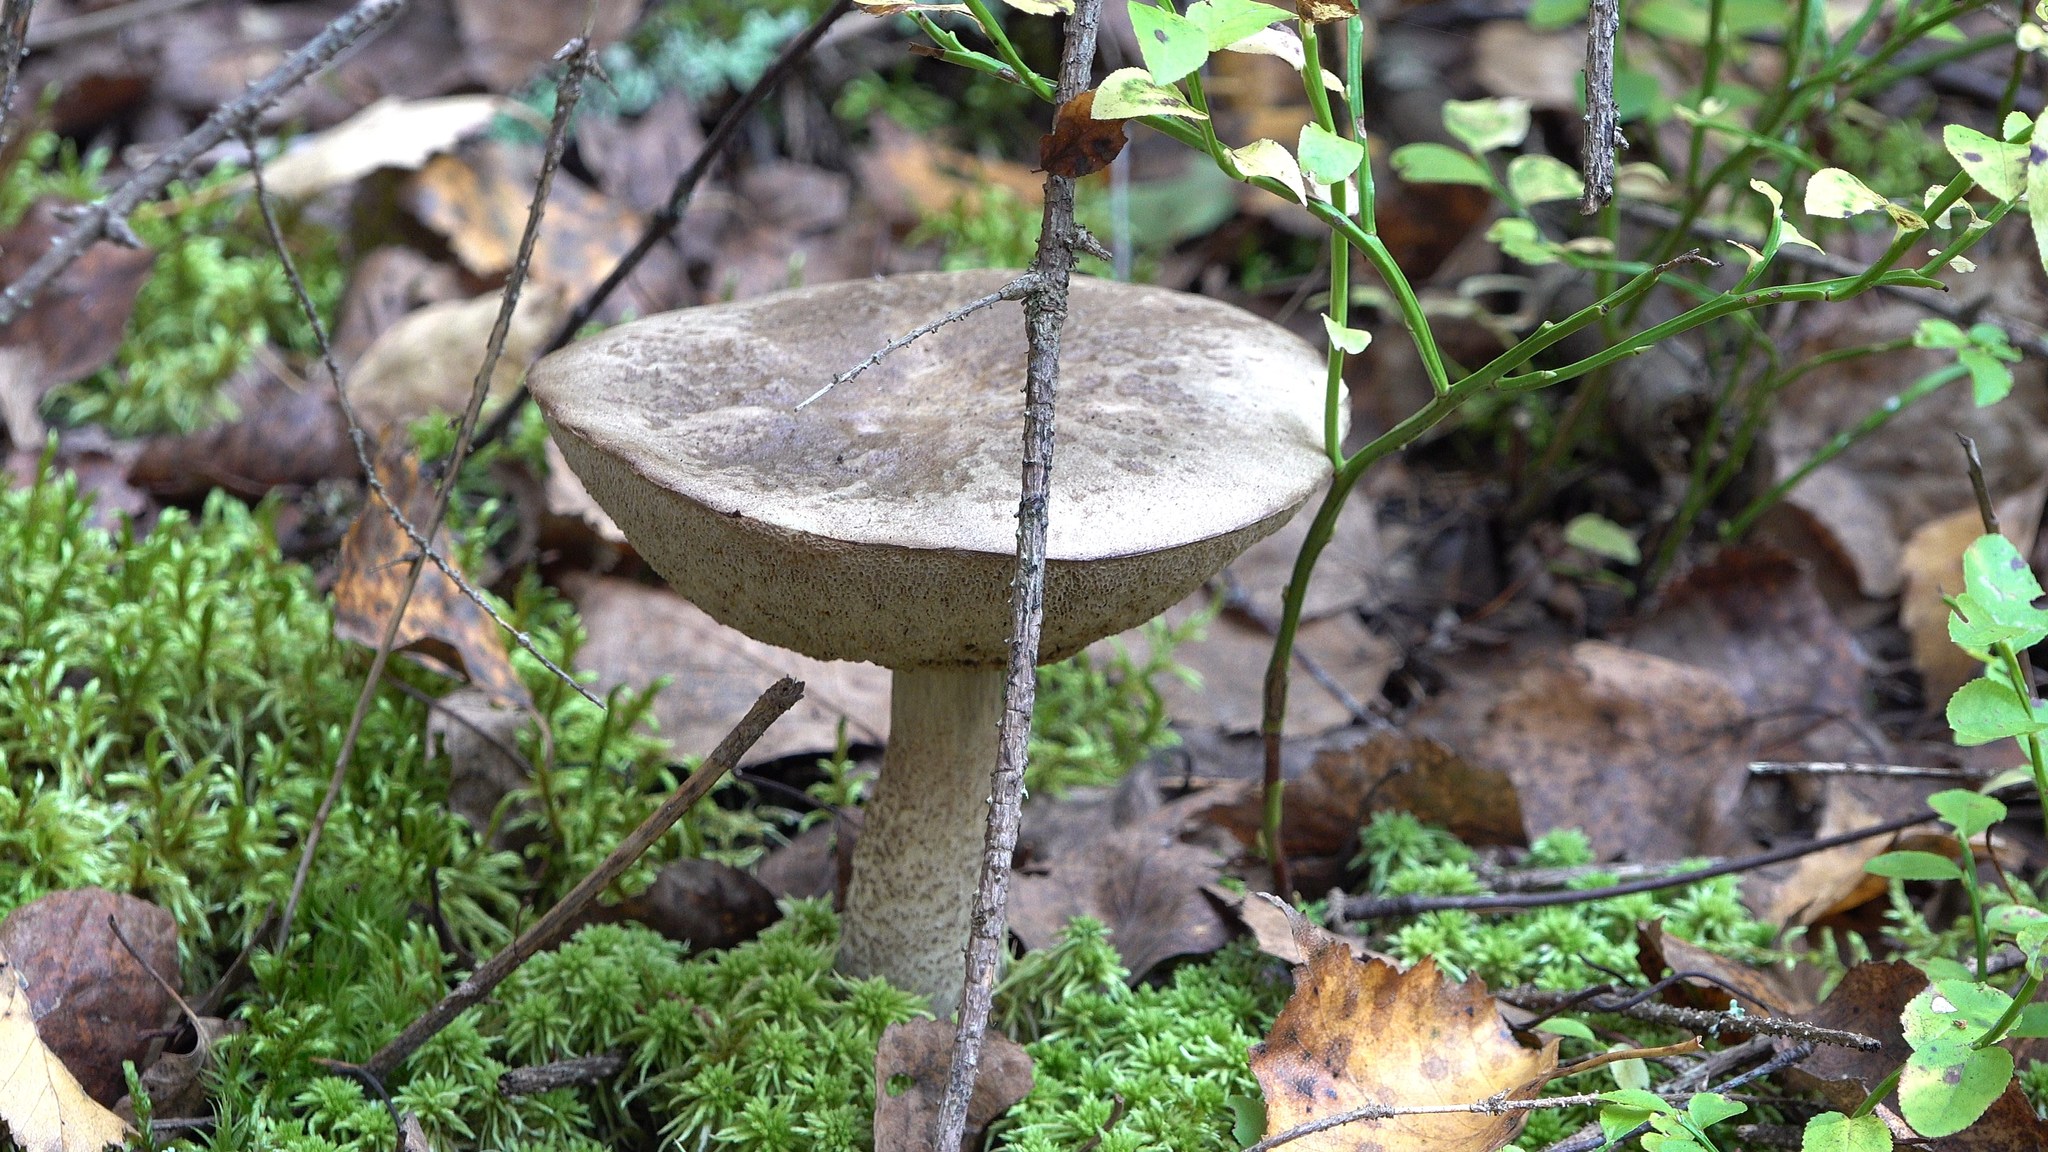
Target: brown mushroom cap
879,523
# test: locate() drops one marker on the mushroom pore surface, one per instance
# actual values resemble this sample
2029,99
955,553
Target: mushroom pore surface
879,523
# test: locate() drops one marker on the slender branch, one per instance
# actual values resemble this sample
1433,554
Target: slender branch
581,60
109,217
1045,315
561,1074
779,698
1015,290
664,221
1603,118
1692,1019
1376,907
14,16
1500,1105
1843,768
119,16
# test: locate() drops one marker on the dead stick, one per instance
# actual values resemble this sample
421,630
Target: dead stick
779,698
581,59
1045,315
1376,907
1603,118
663,222
14,16
109,217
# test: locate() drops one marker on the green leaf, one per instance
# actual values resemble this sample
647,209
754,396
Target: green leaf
1630,1075
1171,44
1351,340
1326,157
1248,1119
1913,866
1985,710
2037,185
1966,811
1484,125
1990,379
1995,572
1942,1096
1520,239
2032,1023
1272,160
1551,15
1225,22
1429,163
1710,1108
1936,333
1834,193
1565,1026
1948,1013
1998,167
1834,1132
1541,179
1602,537
1130,92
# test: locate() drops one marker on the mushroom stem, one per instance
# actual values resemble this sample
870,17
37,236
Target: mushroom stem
919,854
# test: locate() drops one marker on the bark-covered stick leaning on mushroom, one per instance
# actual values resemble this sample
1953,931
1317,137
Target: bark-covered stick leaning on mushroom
879,523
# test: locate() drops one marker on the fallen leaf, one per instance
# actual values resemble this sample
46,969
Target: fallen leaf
77,322
910,177
384,286
636,162
1141,882
1509,58
638,634
507,41
911,1064
1754,616
442,628
1079,144
427,362
567,499
289,438
97,461
478,198
42,1104
93,1003
1327,11
176,1082
1276,927
1720,983
1933,566
391,133
1358,1033
704,904
1645,754
480,739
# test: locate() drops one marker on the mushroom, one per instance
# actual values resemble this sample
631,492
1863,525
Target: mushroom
879,523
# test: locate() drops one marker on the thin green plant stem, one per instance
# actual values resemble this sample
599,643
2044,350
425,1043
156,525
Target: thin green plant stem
1710,75
1841,442
1967,864
2037,757
2021,997
993,29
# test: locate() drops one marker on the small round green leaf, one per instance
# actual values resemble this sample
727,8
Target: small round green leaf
1941,1097
1834,1132
1710,1108
1484,125
1130,92
1602,537
1914,866
1966,811
1429,163
1541,179
1835,193
1327,157
1985,710
1225,22
1171,44
1998,167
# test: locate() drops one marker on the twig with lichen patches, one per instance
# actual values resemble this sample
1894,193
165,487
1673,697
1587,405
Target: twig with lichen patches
108,218
580,60
1016,289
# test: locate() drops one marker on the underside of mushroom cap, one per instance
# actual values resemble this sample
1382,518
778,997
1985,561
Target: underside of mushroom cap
879,523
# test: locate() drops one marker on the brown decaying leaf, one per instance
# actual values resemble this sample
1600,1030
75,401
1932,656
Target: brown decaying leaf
1141,882
428,361
390,133
444,627
1327,11
636,162
478,198
1358,1033
479,737
176,1081
1933,566
639,634
77,323
1646,754
1277,928
1350,573
1078,143
1757,990
94,1005
922,1052
702,903
42,1105
292,438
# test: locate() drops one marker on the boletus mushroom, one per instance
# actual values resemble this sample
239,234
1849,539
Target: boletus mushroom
879,523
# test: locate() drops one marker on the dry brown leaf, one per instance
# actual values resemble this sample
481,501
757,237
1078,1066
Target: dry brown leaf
911,1064
1141,882
427,362
1933,568
909,177
478,198
390,133
1327,11
704,904
1758,990
42,1104
638,634
77,323
176,1081
94,1004
1277,928
1645,754
636,162
442,627
480,739
1359,1033
1078,143
287,438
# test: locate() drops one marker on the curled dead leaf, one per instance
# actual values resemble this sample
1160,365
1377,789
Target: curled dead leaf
1079,144
911,1064
1358,1033
40,1101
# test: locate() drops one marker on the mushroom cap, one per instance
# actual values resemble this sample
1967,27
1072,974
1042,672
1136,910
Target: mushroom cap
879,523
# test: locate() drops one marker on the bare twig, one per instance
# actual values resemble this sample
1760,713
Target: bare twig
105,20
1376,907
1501,1105
1986,511
109,217
664,221
1686,1047
580,59
14,16
1603,118
1015,290
561,1074
779,698
1045,316
1847,768
1691,1019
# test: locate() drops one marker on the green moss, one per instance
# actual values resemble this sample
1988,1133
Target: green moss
1096,719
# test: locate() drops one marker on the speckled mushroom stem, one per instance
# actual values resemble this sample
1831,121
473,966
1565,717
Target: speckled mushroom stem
919,853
